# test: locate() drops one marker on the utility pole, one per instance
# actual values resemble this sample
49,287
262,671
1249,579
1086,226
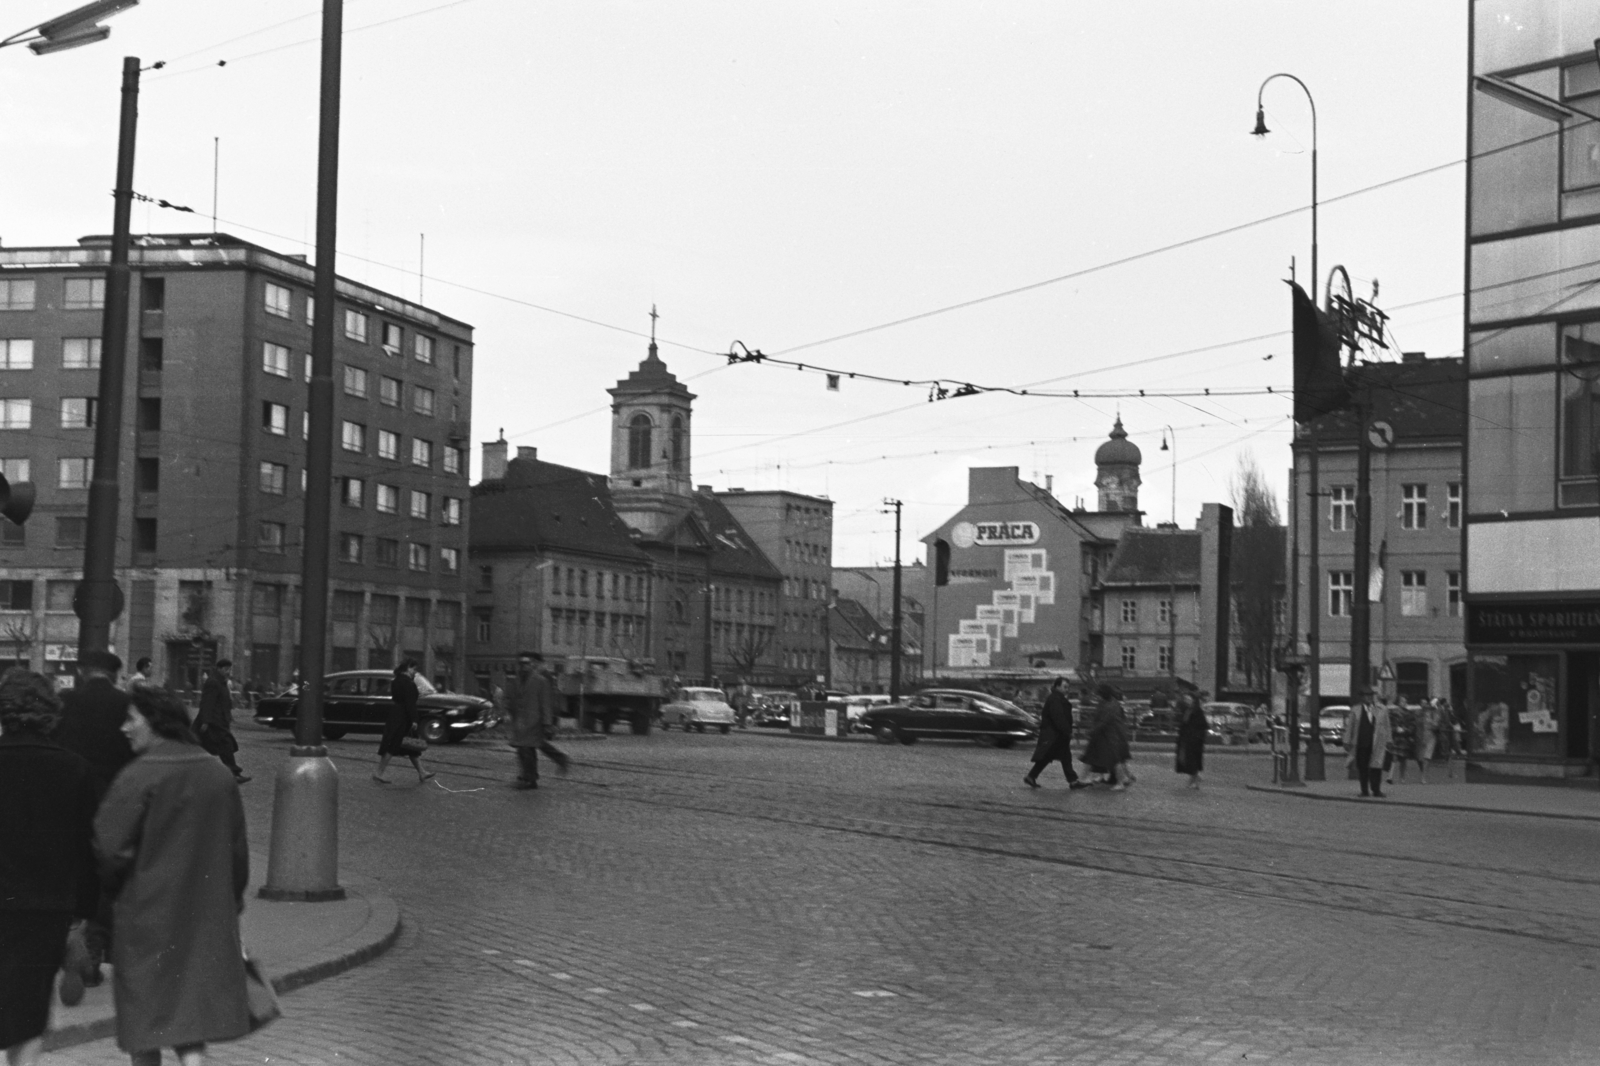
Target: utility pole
98,600
1315,769
710,603
1361,602
894,625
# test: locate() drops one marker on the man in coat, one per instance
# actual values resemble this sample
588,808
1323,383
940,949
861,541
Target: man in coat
1367,734
1055,737
214,722
530,706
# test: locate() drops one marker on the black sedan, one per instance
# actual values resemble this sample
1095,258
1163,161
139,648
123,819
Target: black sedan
357,701
950,714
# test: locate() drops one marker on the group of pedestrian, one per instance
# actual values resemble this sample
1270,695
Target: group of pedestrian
122,840
1107,752
1381,740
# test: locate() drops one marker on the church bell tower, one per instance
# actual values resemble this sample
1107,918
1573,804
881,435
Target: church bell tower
650,434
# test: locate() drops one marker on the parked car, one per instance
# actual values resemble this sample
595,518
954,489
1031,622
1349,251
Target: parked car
697,708
950,714
1332,725
856,706
771,709
357,701
1239,723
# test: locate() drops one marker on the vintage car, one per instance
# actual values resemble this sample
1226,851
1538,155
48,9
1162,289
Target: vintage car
697,708
357,701
950,714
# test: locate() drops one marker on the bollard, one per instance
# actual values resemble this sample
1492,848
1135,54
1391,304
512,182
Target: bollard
304,861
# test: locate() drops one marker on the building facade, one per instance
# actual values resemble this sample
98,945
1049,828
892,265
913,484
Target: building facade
213,461
861,648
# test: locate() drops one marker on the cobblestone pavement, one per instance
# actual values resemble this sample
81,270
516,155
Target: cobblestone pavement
754,899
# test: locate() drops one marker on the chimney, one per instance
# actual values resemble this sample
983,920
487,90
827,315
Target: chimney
1050,484
703,488
494,460
525,452
1413,357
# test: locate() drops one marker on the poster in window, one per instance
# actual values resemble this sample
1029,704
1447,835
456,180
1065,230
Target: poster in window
1514,708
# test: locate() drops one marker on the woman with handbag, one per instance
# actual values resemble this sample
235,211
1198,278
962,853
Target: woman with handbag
401,734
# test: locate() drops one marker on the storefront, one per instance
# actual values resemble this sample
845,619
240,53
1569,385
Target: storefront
1533,688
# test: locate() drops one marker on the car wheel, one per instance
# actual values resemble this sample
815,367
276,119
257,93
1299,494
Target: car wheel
1005,742
332,732
699,727
725,728
640,724
985,741
434,731
886,733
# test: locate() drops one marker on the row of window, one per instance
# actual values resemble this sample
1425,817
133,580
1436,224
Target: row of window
78,294
267,600
740,601
77,412
802,623
273,479
575,582
1413,507
1130,611
1413,593
278,300
272,538
77,353
353,438
804,552
802,660
574,629
276,359
805,588
1130,658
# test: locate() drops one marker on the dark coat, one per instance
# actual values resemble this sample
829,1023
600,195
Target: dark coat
401,720
1108,738
1192,730
47,800
213,724
170,837
531,706
1055,729
91,725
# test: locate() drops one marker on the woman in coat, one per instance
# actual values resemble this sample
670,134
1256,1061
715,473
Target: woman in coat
1107,751
1192,730
401,723
47,877
170,838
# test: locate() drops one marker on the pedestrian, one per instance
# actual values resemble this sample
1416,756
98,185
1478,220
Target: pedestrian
1107,752
1403,748
141,673
1367,734
400,724
47,872
530,704
1192,730
1446,734
170,839
1055,737
213,724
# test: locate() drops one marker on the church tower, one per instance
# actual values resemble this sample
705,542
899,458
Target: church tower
1117,479
650,480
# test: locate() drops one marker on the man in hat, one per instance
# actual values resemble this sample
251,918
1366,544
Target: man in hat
530,705
213,723
1367,733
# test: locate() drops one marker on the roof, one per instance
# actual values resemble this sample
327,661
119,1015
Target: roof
1420,398
733,551
851,625
651,375
543,505
1119,449
1155,557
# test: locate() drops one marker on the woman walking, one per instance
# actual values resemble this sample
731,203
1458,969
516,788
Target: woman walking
1107,752
401,723
170,838
47,878
1192,729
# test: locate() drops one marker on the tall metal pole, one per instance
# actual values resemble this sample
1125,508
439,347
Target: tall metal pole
1172,584
1361,604
304,859
1315,770
894,625
99,601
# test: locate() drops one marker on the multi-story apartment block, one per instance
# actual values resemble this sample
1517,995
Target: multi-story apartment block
213,460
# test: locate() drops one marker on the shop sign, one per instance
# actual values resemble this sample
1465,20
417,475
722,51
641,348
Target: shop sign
61,653
993,534
1533,623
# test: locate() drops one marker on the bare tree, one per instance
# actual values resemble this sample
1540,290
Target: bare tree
747,653
1257,568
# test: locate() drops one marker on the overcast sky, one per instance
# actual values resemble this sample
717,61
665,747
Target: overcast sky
784,173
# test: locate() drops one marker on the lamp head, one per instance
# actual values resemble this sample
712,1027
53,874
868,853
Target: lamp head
1164,444
1261,124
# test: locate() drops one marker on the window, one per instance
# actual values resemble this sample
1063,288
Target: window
353,436
1452,513
387,552
16,470
388,445
84,294
391,339
308,369
276,300
1413,507
16,595
153,294
1452,593
1341,592
274,478
486,578
450,511
275,359
17,294
417,557
152,353
388,499
346,606
144,535
422,401
1130,610
266,600
355,382
385,610
422,348
1414,593
16,414
16,354
270,537
455,364
74,473
639,442
70,532
1342,508
147,474
482,617
311,310
353,491
679,440
77,412
349,548
305,426
80,353
275,418
1164,658
1130,657
355,326
421,452
419,504
389,391
452,459
449,560
1164,611
148,414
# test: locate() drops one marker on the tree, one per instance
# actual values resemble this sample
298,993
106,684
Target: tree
1257,568
747,653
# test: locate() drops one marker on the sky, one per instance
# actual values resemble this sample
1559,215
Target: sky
794,176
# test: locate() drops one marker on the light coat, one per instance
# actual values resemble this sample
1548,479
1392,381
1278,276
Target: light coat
530,704
1382,736
170,837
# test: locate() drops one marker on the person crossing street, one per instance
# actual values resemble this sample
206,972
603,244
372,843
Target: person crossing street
1055,737
530,705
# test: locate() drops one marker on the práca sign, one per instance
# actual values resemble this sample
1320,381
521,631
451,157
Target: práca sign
994,534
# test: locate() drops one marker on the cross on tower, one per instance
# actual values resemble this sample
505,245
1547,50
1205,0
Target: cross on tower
653,317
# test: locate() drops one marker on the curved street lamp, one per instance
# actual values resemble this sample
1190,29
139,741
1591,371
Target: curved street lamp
1261,131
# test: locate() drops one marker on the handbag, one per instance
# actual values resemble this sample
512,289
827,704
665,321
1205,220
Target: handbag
259,995
412,746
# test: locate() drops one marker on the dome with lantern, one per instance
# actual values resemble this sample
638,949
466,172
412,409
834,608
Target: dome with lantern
1119,450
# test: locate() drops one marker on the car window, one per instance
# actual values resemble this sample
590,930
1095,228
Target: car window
380,686
952,703
923,701
706,695
344,686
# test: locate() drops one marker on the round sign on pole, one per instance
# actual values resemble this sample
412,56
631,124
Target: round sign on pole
1380,434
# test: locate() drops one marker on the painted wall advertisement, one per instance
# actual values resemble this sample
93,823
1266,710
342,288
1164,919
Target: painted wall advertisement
1009,611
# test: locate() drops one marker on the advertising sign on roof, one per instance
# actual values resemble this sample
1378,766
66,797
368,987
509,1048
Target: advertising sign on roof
993,534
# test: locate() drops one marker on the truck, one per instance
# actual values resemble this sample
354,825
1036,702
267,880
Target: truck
601,690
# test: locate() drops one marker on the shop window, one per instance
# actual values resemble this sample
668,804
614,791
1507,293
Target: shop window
1411,682
1514,709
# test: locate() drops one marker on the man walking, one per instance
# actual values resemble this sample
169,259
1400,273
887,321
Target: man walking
214,723
530,704
1366,736
1055,737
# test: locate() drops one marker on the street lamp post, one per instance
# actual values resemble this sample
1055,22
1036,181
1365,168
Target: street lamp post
76,28
1172,583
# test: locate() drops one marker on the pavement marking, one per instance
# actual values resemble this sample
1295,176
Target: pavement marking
737,1039
874,993
490,951
641,1006
524,962
562,976
600,991
684,1023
